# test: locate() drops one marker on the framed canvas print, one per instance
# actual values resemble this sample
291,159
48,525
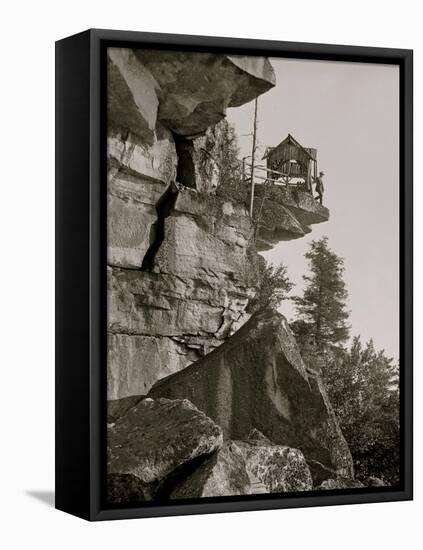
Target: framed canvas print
234,275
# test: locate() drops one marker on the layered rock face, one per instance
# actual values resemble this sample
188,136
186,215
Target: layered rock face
191,299
257,380
180,262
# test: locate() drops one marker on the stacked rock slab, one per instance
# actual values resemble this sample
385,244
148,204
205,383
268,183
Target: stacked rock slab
257,380
191,300
152,441
194,290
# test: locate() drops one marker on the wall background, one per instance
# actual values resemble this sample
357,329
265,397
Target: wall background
27,282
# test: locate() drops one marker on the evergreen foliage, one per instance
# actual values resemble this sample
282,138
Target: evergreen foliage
273,286
322,313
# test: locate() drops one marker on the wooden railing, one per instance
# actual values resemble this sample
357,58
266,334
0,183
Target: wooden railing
279,178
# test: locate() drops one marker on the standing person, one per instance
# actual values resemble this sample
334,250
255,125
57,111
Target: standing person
320,187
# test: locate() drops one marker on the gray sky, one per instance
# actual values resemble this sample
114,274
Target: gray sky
350,113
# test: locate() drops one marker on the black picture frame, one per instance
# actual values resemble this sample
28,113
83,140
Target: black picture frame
81,261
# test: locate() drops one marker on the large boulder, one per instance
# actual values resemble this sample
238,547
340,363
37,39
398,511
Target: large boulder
339,483
116,408
280,469
124,489
197,88
257,379
186,91
223,474
156,437
132,100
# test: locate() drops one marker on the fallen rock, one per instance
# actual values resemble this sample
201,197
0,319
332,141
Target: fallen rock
280,469
340,483
256,437
373,481
156,437
222,474
116,408
257,379
124,489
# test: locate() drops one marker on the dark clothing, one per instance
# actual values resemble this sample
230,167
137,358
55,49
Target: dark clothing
320,189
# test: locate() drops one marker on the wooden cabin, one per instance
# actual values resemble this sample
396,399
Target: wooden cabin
291,163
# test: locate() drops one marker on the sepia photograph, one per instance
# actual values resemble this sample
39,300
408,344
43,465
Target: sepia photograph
253,276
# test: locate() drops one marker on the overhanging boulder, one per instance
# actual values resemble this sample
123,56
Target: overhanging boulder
197,88
257,379
187,91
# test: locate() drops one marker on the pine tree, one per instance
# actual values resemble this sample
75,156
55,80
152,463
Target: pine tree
322,307
273,285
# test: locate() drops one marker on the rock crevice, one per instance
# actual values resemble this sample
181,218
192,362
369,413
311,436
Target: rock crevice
164,207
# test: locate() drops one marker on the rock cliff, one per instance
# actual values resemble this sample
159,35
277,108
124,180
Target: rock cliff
182,267
181,262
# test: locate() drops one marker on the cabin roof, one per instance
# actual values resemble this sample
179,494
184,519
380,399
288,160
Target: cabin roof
288,140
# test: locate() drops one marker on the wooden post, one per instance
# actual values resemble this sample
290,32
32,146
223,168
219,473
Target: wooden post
253,157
